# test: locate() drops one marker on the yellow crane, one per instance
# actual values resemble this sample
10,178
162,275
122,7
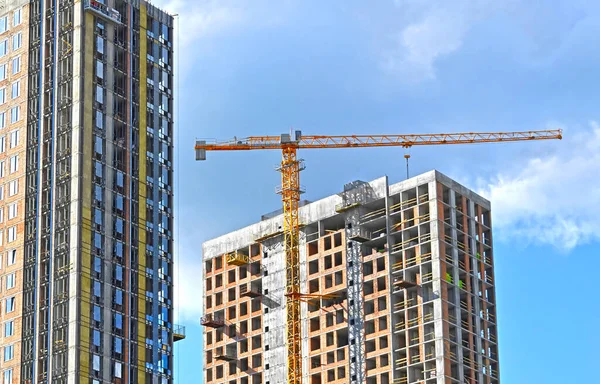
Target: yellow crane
290,191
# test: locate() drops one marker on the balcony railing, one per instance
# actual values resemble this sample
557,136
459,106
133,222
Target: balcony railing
102,10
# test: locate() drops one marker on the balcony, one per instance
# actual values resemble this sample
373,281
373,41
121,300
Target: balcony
102,10
237,258
211,321
250,290
178,333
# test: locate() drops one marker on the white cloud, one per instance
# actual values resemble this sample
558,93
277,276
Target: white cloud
554,199
429,30
434,29
202,18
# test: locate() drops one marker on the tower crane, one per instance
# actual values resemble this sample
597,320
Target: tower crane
290,191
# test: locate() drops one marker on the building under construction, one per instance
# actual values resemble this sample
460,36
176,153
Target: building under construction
399,288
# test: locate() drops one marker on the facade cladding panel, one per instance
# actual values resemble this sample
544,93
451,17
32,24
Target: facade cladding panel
406,283
86,226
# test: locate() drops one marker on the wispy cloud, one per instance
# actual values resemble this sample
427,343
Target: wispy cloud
202,18
554,199
430,30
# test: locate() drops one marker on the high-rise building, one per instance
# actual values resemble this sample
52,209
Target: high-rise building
86,249
405,282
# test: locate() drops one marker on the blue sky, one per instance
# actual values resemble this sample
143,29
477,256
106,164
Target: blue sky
351,67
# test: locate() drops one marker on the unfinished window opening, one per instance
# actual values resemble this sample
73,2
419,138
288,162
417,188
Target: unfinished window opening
231,276
383,342
256,361
255,268
313,248
314,324
218,299
369,327
337,239
381,304
381,285
208,302
339,316
328,281
256,342
330,358
338,259
327,243
244,346
315,361
329,339
371,364
315,378
382,323
219,281
329,320
331,375
313,286
327,262
339,279
368,268
380,264
243,309
219,262
256,323
231,294
368,287
208,283
369,307
315,343
313,267
369,346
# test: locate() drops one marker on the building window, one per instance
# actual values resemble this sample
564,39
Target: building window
11,256
8,376
10,281
2,120
12,233
9,328
118,370
2,144
16,65
2,95
17,17
96,338
3,72
2,167
10,304
17,40
16,89
3,46
99,94
15,113
14,164
14,138
96,363
13,187
3,24
12,211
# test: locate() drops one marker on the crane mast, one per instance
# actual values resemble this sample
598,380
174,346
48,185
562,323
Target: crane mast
291,190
